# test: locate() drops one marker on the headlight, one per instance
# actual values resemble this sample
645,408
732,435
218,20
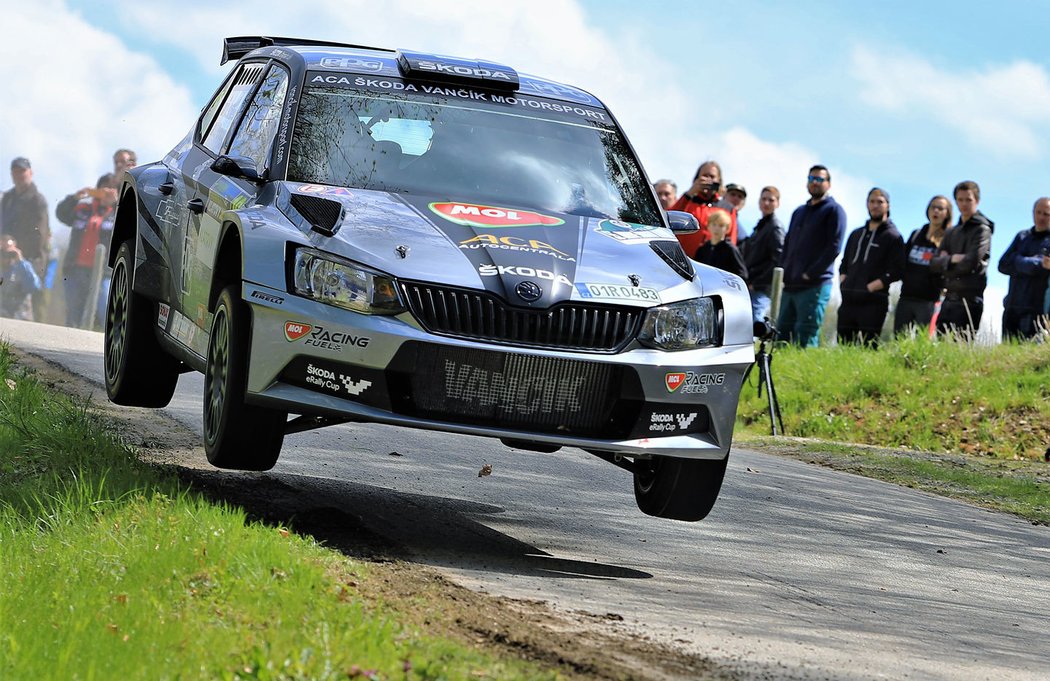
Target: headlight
332,280
684,325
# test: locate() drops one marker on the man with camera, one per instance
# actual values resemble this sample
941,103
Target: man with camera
89,213
701,200
1027,263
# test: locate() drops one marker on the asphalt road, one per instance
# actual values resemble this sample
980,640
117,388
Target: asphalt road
799,571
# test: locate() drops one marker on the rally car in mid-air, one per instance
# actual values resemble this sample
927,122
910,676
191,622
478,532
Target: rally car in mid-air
353,234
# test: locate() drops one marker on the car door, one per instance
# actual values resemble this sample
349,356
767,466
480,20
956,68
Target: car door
191,246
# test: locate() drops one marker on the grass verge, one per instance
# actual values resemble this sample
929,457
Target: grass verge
947,417
112,569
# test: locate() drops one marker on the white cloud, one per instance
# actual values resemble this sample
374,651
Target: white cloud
76,93
997,109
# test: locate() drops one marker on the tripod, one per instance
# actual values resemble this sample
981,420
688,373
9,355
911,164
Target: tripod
767,333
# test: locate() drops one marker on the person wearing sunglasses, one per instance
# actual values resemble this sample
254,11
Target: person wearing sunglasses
813,241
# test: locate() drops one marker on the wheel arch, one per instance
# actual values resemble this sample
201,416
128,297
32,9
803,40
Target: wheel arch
229,263
125,224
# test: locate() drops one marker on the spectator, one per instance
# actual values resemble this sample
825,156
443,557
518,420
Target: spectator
25,215
18,282
701,200
89,213
920,286
667,192
736,196
762,252
1027,263
874,259
963,259
812,243
718,252
123,159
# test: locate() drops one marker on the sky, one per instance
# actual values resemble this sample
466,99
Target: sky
911,97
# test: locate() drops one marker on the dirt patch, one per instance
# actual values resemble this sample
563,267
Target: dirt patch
578,644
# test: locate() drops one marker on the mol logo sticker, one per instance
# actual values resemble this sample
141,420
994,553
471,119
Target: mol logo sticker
319,337
474,215
293,331
674,381
691,382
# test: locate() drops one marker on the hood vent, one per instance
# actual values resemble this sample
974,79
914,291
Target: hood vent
322,214
673,255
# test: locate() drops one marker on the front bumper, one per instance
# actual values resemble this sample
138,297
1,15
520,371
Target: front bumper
314,359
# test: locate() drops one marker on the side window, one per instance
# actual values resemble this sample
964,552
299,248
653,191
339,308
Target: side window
213,108
243,85
258,128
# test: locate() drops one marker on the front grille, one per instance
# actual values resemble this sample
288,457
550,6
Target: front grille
515,391
479,315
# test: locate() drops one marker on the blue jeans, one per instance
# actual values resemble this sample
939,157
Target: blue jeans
802,315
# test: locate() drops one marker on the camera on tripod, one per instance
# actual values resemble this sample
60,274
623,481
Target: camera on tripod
765,331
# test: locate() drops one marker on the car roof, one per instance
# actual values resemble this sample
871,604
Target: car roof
319,55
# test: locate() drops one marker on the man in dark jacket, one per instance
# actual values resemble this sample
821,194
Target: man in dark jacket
1027,263
963,260
811,245
762,252
25,219
873,260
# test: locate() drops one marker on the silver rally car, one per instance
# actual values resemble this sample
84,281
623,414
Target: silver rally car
353,234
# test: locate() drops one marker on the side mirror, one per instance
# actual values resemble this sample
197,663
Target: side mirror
682,222
237,166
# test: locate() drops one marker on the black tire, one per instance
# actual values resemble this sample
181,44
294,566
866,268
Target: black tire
236,435
138,371
679,489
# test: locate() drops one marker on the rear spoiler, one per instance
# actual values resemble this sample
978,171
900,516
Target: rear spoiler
235,48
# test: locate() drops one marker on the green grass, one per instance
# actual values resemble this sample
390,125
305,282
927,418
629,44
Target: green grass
970,422
942,396
110,570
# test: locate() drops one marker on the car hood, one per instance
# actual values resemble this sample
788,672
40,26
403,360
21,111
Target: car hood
531,258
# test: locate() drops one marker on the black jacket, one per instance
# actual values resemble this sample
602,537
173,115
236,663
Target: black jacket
1023,263
919,282
724,256
871,255
762,252
973,239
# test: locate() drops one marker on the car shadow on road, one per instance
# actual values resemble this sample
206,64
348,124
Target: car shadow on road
375,523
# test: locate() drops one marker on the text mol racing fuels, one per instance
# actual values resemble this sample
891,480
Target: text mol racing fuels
353,234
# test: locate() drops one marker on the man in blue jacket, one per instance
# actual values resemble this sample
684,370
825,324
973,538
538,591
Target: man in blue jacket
813,241
1027,263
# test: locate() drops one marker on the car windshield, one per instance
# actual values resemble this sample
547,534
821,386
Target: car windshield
470,146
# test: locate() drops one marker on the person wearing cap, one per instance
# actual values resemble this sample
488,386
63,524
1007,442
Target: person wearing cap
874,259
736,196
18,282
701,200
25,219
812,243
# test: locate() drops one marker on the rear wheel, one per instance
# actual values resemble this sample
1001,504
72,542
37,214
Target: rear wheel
680,489
236,435
138,371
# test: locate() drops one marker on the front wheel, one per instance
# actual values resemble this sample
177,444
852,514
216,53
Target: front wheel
138,371
236,435
679,489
